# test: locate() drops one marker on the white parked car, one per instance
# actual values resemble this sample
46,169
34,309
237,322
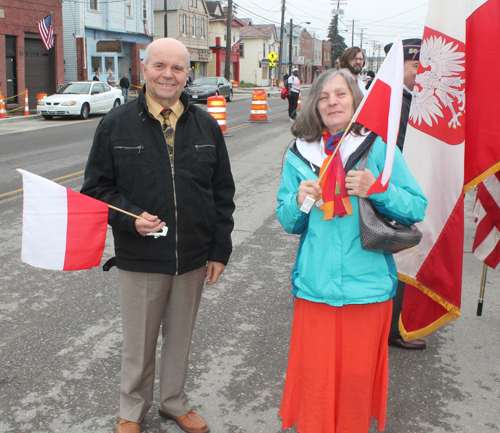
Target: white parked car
80,99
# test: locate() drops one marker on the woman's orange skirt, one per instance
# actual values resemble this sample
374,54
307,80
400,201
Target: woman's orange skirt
338,367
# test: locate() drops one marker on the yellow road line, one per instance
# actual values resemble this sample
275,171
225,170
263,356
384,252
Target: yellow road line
61,180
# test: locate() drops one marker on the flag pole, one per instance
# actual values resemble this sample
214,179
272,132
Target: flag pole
334,152
481,291
125,212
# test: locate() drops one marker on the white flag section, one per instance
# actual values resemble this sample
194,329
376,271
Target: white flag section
62,229
380,110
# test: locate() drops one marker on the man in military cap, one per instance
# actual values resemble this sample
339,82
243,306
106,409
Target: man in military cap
411,48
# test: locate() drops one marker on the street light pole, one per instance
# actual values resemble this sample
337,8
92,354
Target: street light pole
165,23
280,54
290,49
229,17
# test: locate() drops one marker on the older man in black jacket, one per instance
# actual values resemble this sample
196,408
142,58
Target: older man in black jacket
165,160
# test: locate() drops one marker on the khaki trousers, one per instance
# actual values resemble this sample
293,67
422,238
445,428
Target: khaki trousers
147,301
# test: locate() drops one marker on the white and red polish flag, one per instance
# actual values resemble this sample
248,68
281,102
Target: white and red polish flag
486,246
448,154
380,110
62,229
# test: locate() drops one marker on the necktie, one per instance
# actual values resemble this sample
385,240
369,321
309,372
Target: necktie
168,132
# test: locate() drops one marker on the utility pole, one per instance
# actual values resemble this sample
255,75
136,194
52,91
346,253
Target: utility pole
290,48
280,54
165,23
227,68
361,45
352,41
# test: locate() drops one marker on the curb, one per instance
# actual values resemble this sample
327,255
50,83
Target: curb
19,118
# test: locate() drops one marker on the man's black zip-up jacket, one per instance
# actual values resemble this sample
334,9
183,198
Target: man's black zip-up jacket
129,168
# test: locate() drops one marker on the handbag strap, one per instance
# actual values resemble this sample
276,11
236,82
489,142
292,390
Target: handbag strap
364,160
359,152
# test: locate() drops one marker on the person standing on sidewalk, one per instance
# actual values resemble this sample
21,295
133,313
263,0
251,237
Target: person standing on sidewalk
166,160
111,80
125,85
293,94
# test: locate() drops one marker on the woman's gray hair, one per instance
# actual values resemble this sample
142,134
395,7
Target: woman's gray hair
309,126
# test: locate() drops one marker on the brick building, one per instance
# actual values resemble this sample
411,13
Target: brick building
24,61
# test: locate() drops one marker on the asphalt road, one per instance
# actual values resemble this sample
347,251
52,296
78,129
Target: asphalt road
60,331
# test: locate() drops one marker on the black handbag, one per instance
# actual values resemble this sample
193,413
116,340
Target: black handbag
379,233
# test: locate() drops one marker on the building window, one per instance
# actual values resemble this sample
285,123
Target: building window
194,3
202,28
263,51
93,5
109,63
242,51
234,37
193,26
128,8
184,24
145,9
96,64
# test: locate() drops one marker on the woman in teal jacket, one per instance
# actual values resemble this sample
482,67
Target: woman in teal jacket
338,364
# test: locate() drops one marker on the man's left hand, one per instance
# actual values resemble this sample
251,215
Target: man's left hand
214,269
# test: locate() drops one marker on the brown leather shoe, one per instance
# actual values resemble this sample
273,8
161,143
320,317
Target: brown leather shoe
412,345
190,423
125,426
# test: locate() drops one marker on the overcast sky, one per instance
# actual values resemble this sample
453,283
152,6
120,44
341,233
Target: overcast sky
380,21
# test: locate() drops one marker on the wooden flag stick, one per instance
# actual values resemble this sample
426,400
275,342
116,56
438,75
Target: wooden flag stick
481,291
125,212
334,152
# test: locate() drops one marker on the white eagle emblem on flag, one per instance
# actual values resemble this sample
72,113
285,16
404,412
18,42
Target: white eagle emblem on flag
439,91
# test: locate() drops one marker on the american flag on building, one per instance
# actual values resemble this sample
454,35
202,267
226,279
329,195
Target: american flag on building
46,31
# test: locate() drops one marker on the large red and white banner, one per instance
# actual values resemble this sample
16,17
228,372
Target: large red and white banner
380,110
446,153
62,229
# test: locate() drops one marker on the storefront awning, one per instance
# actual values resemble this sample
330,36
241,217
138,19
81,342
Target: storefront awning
319,68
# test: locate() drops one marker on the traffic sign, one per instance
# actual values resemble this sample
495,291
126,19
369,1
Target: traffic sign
272,64
272,56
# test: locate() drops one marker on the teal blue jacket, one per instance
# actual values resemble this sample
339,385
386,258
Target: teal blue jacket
331,266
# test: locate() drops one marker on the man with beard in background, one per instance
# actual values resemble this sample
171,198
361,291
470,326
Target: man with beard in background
353,60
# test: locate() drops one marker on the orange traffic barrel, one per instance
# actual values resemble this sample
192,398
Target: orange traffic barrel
26,105
236,85
282,84
299,103
258,112
2,107
40,96
275,82
216,107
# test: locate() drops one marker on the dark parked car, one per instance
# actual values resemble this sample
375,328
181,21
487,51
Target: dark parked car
203,88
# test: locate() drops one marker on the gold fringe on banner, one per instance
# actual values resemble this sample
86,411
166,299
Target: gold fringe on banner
485,174
453,311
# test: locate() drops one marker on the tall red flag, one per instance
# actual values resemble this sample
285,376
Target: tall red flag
437,142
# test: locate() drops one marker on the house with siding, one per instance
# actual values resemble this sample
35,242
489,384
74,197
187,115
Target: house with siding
187,21
257,42
218,42
103,36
